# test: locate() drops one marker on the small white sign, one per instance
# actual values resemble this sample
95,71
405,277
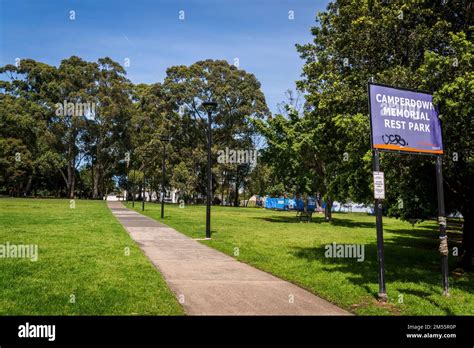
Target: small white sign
379,185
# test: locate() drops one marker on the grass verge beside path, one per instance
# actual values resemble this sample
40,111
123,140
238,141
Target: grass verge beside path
275,242
81,258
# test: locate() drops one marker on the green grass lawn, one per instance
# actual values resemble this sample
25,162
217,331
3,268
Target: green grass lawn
81,258
277,243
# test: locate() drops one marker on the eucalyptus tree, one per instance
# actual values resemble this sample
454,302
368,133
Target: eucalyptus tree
107,127
154,128
27,101
239,99
72,94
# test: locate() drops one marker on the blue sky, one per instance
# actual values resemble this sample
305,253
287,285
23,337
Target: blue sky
152,36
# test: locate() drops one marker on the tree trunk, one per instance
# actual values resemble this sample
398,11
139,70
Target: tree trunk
95,191
327,210
70,178
222,192
236,197
96,180
73,184
133,196
28,185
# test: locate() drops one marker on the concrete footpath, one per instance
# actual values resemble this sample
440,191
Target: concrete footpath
208,282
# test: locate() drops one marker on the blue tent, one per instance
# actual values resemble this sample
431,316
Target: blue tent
280,203
277,203
270,203
289,203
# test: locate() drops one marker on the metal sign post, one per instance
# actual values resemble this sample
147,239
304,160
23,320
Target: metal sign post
443,245
163,191
379,194
144,191
405,121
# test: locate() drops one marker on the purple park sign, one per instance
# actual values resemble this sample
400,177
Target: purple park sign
404,120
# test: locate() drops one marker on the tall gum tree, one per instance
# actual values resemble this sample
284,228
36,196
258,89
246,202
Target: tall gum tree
239,99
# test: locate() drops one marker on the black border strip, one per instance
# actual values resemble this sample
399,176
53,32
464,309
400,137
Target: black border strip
260,330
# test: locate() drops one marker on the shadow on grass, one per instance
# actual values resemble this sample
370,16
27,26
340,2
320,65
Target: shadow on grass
426,296
407,260
425,236
317,219
278,219
336,221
